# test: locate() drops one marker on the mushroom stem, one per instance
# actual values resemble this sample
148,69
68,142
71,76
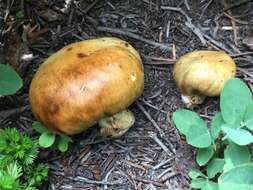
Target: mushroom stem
116,125
191,100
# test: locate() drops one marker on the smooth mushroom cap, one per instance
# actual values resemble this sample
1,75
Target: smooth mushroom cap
84,82
203,73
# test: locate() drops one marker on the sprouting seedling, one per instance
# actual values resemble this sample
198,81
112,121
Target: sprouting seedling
222,145
48,139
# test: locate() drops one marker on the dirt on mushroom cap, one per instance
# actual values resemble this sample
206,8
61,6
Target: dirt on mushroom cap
84,82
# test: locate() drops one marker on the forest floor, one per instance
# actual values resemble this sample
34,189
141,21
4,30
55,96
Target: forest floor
152,154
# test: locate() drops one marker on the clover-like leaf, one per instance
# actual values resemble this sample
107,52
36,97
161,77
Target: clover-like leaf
184,119
216,124
214,167
37,126
238,136
204,155
235,155
248,117
46,139
194,174
234,99
199,136
238,178
63,143
10,81
198,183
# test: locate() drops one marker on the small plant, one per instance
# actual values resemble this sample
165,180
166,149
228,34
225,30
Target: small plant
10,81
222,155
48,139
18,167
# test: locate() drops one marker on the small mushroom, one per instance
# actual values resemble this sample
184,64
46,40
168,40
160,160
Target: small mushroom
88,82
202,73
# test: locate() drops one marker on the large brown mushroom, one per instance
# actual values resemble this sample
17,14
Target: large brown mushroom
88,82
202,73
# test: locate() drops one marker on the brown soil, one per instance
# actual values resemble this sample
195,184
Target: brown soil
161,34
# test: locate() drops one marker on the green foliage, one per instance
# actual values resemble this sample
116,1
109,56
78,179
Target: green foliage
193,127
10,81
48,139
223,152
18,169
204,155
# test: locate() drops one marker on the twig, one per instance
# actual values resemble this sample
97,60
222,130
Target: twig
134,36
188,23
6,113
237,4
85,180
234,19
160,143
196,31
157,183
150,119
85,11
107,176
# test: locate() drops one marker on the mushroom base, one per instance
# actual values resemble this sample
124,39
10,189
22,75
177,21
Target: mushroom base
116,125
192,100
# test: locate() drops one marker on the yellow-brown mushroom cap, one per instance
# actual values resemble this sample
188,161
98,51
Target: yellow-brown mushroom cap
203,72
84,82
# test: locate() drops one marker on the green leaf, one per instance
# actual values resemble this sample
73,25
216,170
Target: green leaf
46,139
216,124
199,136
235,155
66,138
238,136
248,118
184,119
215,167
238,178
37,126
210,185
63,144
198,183
204,155
204,184
234,99
20,14
10,81
194,174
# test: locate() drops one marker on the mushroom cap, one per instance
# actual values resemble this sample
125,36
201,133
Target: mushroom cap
203,73
84,82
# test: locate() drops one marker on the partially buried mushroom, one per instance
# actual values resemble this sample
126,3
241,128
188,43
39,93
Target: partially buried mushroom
88,82
202,73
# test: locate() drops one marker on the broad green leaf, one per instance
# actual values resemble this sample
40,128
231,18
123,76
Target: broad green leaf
198,183
66,138
204,155
37,126
10,81
238,178
46,139
63,144
248,118
210,185
214,167
235,155
194,174
198,136
238,136
234,99
216,124
204,184
184,119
